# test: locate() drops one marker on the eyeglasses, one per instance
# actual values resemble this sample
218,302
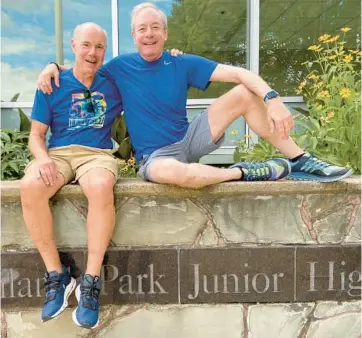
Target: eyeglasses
90,104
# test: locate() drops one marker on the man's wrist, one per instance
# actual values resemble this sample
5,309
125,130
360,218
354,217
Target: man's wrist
270,95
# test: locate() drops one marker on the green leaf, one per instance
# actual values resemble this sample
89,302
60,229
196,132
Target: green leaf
14,166
302,111
5,137
15,97
25,123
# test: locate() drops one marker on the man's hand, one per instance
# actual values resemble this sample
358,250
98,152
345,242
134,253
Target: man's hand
175,52
44,80
279,118
47,170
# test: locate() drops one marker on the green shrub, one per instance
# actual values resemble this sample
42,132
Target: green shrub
14,153
331,127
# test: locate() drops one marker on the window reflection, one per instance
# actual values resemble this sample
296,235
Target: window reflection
214,29
28,39
288,28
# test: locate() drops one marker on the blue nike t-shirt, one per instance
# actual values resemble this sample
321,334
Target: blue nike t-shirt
77,115
154,95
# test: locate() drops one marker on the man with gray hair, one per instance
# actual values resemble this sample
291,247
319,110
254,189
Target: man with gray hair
79,114
154,90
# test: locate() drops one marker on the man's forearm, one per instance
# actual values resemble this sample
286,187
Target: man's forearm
254,83
37,146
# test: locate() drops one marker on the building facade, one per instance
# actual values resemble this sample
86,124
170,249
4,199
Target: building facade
269,37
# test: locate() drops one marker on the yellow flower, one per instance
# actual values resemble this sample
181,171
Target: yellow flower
132,160
345,29
319,107
330,114
324,37
324,93
247,136
348,58
298,91
234,132
302,84
313,77
345,92
335,38
314,47
319,84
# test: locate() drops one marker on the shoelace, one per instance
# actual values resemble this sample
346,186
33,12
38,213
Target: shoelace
314,163
52,283
91,291
254,172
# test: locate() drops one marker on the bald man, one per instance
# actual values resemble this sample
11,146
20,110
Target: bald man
79,114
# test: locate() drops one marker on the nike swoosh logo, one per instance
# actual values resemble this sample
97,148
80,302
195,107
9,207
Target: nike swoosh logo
166,63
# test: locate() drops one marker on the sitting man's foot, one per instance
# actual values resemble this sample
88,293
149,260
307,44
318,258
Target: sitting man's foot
87,313
310,168
270,170
58,287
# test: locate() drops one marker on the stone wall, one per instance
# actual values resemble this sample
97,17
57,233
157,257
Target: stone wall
236,259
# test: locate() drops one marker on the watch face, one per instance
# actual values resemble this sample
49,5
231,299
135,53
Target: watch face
271,95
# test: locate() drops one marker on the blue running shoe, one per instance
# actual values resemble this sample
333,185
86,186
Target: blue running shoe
310,168
270,170
87,312
58,287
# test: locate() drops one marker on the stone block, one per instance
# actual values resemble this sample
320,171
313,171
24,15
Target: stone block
22,277
278,320
157,221
231,275
328,273
140,276
260,219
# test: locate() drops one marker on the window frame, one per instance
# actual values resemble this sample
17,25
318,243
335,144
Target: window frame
253,49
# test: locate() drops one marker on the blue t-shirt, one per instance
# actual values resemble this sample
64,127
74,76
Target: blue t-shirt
77,115
154,95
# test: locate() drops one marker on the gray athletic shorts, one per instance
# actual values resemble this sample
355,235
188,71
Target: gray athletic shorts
196,143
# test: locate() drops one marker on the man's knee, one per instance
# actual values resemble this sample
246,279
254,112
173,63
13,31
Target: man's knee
98,187
168,171
244,94
31,189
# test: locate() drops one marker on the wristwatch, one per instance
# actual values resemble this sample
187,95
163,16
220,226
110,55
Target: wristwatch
270,95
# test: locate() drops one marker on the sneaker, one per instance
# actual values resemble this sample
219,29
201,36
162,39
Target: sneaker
87,312
310,168
270,170
58,287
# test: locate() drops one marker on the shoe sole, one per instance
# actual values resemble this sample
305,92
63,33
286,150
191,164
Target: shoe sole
68,291
300,176
74,317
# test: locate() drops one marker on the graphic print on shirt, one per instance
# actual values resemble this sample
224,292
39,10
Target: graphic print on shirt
88,110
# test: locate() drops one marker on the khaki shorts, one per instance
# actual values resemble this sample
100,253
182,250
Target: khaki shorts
75,160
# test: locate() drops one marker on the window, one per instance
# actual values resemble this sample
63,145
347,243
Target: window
288,28
27,44
28,39
215,29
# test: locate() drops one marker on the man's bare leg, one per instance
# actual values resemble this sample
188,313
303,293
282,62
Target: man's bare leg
190,175
97,184
35,197
240,101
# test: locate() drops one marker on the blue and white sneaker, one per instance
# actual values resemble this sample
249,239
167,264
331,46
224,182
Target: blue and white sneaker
270,170
58,287
87,312
310,168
